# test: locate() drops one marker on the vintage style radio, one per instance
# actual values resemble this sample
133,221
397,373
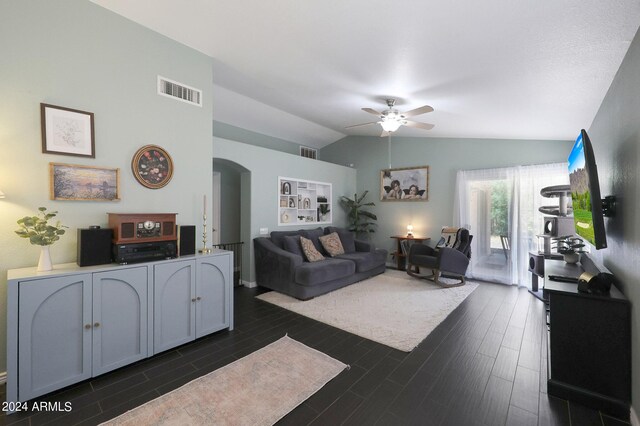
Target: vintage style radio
142,227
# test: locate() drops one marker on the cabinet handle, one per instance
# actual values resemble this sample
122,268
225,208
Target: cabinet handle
96,325
193,300
198,298
87,326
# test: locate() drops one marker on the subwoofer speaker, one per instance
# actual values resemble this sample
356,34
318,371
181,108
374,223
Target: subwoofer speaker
94,246
536,264
186,239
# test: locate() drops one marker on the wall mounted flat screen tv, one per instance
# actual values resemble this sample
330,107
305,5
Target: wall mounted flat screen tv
585,193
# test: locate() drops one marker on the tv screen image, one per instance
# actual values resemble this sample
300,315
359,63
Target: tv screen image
585,193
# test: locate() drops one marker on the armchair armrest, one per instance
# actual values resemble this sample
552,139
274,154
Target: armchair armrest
422,250
452,260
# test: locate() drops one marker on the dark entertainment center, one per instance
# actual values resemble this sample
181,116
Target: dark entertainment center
589,344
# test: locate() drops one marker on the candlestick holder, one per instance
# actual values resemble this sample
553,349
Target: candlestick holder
204,249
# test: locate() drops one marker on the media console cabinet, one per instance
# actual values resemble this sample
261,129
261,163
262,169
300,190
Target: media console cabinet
589,345
73,323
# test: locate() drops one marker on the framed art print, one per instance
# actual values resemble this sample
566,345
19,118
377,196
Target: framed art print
406,184
67,131
83,183
152,166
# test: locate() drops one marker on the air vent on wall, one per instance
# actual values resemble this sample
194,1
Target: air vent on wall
308,152
179,91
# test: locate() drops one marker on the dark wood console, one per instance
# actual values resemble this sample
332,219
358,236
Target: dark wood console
589,342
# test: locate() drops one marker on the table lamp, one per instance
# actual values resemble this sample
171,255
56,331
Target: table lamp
410,231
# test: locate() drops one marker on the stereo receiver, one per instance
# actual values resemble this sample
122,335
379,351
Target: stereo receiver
142,227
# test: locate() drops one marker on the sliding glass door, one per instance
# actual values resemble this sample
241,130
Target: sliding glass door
500,208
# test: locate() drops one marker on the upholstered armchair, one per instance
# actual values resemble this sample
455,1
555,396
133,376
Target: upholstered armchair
446,261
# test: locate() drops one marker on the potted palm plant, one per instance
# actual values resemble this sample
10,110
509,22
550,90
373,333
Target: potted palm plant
41,233
360,220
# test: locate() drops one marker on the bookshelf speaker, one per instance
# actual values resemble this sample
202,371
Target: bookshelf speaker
186,239
94,246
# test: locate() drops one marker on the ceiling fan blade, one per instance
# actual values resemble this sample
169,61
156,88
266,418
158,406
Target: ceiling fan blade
384,133
363,124
422,110
418,125
371,111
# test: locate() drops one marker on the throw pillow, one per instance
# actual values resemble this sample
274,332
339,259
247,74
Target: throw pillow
332,244
292,244
309,250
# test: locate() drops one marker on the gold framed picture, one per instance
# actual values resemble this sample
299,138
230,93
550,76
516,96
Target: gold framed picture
152,166
74,182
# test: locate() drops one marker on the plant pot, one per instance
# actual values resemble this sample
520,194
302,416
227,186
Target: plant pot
571,257
44,263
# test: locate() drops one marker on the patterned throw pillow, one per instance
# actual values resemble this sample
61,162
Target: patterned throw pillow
310,251
332,244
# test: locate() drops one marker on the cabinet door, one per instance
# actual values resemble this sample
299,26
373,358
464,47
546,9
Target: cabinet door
174,310
213,288
119,318
55,334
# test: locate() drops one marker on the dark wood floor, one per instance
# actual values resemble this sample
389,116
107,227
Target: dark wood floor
484,365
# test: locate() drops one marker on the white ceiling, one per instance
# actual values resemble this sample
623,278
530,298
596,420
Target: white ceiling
301,70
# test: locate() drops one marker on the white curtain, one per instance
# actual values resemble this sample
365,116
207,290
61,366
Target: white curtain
500,208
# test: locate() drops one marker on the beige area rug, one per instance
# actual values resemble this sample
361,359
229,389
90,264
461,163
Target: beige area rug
258,389
392,308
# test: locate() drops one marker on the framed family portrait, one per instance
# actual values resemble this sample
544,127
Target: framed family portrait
152,166
67,131
405,184
83,183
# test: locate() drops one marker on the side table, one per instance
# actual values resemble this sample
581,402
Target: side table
400,257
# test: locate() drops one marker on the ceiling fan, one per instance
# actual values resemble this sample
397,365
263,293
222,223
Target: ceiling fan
391,119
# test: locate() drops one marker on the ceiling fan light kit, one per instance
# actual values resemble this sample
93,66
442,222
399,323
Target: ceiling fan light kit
391,120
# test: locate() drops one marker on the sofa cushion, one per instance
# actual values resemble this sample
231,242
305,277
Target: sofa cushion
346,238
277,237
332,244
292,245
314,235
365,261
310,251
317,273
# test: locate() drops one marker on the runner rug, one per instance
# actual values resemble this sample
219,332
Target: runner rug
258,389
391,308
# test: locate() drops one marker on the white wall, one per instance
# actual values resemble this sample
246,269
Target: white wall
76,54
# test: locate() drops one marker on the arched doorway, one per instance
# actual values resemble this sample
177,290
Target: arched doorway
232,212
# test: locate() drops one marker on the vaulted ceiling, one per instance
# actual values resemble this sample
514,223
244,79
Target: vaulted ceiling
302,70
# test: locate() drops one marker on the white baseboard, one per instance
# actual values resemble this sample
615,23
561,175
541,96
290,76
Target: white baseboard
248,284
634,418
3,378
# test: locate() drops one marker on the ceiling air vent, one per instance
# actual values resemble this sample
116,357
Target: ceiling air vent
179,91
308,152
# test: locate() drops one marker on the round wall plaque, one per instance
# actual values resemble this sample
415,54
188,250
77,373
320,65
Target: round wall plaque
152,166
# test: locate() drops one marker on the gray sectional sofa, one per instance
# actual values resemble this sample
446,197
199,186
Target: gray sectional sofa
281,265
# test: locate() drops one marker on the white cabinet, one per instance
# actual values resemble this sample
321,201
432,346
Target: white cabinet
192,298
73,323
303,202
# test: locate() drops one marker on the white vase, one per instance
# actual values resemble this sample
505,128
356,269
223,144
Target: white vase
44,263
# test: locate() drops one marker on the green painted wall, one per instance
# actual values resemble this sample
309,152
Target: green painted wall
230,201
444,156
76,54
615,135
265,165
233,133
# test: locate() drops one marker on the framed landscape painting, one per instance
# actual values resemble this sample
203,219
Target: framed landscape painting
83,183
405,184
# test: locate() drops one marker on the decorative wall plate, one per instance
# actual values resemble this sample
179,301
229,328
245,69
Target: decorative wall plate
152,166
